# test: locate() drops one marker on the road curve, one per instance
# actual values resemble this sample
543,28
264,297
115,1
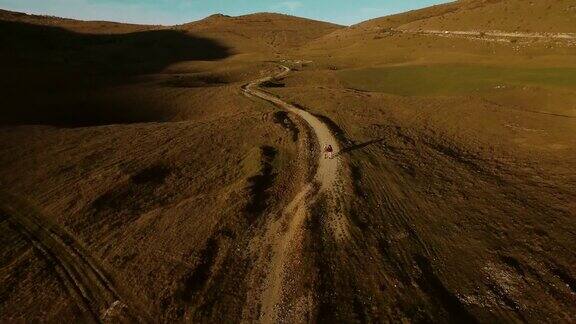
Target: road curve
284,236
327,171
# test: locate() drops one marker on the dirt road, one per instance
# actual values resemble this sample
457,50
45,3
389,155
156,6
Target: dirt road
327,168
496,33
86,282
285,235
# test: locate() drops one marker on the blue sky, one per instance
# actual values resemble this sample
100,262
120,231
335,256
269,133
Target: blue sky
170,12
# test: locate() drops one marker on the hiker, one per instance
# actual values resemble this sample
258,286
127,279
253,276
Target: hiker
328,151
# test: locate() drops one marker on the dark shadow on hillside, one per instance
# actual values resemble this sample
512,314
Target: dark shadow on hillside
359,146
272,84
54,76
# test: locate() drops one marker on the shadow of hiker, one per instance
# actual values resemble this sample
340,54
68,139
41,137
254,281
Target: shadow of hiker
57,76
358,146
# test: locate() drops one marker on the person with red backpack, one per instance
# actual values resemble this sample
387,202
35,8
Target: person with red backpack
328,151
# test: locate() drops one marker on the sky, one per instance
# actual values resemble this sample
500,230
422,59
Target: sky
172,12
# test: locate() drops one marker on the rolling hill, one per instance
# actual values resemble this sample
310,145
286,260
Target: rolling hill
542,16
115,134
460,146
550,16
171,174
261,31
464,31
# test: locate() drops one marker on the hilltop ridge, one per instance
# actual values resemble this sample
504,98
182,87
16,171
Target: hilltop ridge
557,16
263,31
254,32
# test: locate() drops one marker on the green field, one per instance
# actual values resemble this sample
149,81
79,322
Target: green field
451,79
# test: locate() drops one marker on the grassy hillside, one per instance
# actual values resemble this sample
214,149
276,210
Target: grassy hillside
263,31
554,16
460,151
454,79
137,141
72,67
453,201
397,20
396,39
508,15
59,76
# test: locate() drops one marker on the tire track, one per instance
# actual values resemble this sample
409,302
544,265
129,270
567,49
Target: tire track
86,282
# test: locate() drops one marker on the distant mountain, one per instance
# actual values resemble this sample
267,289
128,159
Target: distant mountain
261,30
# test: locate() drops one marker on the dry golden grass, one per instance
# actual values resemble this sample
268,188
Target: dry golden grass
157,165
457,185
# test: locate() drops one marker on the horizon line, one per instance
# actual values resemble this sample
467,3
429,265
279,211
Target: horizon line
32,12
128,22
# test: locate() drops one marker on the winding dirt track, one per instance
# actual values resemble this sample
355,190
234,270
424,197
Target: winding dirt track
86,282
285,236
497,33
327,171
99,300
